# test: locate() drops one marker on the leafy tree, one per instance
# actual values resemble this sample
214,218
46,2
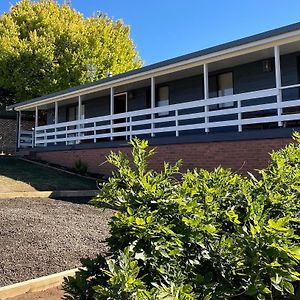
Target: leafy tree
45,47
209,235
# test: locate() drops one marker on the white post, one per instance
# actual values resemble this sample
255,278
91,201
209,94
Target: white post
79,108
55,119
56,113
130,127
78,118
176,122
36,116
278,80
95,132
36,124
152,104
206,95
239,116
112,103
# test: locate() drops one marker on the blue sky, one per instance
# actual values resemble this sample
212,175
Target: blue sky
164,29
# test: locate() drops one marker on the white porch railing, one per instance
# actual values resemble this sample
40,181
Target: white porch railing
172,118
26,139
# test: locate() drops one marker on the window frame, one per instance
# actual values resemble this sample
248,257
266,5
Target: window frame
163,102
217,91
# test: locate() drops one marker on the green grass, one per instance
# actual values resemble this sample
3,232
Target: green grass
42,178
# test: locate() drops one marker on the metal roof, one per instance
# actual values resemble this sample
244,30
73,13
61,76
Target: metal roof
225,46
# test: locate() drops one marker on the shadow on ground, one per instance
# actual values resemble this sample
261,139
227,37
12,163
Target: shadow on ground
39,177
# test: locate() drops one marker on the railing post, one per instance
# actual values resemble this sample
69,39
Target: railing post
152,105
278,82
206,96
112,93
130,127
95,132
176,122
239,116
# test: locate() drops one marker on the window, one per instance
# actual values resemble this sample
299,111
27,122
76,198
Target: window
225,84
221,85
72,113
163,99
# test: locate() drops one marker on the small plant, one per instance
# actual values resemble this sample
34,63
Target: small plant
209,235
80,167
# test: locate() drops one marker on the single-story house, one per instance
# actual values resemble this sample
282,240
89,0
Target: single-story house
230,104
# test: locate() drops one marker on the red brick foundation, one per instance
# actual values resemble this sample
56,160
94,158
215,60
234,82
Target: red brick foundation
241,156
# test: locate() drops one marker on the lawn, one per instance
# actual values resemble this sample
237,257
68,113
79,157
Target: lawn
19,175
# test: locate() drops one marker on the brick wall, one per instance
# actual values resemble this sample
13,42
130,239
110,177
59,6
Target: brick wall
8,133
241,156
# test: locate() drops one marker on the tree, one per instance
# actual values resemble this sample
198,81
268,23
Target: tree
45,47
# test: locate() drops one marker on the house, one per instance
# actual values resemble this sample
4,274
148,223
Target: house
231,104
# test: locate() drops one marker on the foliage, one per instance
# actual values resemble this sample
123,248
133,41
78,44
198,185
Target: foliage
80,167
207,235
45,47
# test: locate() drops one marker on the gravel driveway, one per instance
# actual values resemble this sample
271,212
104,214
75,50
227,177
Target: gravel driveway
41,236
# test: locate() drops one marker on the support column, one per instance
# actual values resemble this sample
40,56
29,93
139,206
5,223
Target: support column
55,113
79,118
79,108
112,103
36,117
206,95
152,104
18,130
55,119
278,80
36,123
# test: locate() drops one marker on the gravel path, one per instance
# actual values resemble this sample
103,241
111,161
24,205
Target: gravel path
41,236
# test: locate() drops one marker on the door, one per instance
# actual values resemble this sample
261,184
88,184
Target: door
72,115
120,106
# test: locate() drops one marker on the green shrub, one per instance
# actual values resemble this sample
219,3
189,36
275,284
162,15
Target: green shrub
207,235
80,167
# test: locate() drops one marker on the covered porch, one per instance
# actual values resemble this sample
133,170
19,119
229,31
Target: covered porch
233,91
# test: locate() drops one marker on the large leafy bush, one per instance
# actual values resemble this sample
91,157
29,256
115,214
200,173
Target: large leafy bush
198,235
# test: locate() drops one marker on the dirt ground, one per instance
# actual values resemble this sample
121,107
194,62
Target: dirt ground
51,294
10,185
42,236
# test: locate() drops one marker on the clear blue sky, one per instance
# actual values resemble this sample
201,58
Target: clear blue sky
164,29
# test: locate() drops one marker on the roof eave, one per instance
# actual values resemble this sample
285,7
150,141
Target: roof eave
155,68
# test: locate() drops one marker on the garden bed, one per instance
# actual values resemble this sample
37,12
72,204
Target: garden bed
41,236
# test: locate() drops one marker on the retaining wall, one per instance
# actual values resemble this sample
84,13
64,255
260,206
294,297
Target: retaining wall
241,156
